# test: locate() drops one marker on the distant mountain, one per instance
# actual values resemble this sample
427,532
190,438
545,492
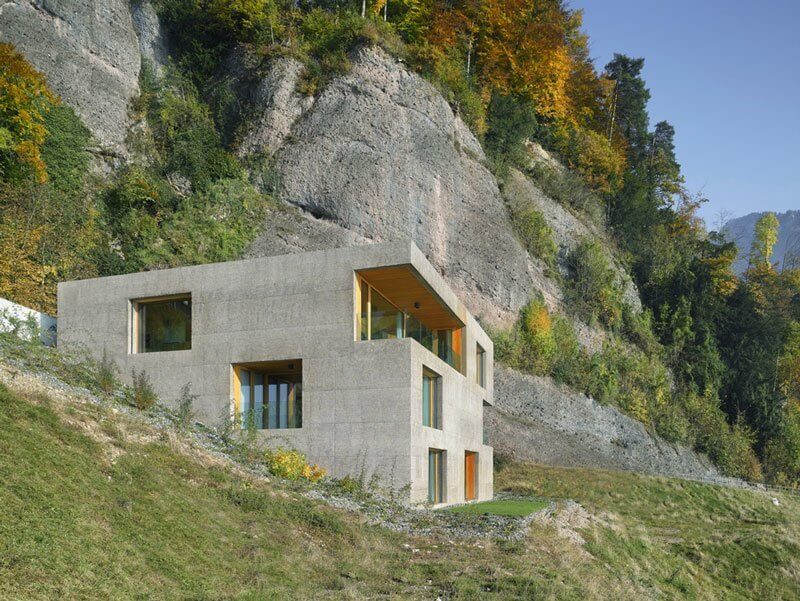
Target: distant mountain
740,231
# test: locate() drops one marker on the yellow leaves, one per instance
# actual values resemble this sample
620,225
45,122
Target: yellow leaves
23,276
24,102
292,465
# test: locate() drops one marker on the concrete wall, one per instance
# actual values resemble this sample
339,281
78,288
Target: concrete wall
362,407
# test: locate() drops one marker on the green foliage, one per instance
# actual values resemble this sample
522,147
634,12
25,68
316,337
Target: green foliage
65,151
184,414
186,139
107,373
535,233
141,394
511,122
568,189
593,287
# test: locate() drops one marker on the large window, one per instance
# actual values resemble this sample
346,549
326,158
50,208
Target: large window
480,365
162,324
436,476
379,319
269,395
431,399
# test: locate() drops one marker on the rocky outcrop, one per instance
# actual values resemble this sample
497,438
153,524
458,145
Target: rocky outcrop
381,153
568,230
153,44
89,52
537,420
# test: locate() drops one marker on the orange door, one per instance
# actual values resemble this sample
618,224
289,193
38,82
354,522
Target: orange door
470,467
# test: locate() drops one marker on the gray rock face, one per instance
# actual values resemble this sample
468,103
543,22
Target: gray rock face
381,153
568,230
153,45
277,107
537,420
89,52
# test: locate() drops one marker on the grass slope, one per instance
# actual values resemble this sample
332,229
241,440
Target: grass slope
95,504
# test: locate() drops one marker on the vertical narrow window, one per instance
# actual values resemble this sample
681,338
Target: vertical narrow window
435,476
162,324
431,399
363,319
480,365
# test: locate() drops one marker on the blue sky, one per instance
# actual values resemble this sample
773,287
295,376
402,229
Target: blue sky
727,76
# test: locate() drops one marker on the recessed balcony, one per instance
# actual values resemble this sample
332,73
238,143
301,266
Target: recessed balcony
395,302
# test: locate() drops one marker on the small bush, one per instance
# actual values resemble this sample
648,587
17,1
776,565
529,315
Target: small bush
292,465
142,395
536,234
570,190
107,371
184,413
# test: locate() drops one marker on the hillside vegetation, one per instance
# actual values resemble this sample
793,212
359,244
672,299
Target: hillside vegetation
713,361
100,501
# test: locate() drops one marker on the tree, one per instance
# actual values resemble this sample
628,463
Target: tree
24,102
628,116
765,236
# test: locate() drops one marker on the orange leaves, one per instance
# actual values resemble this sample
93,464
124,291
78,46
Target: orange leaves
24,101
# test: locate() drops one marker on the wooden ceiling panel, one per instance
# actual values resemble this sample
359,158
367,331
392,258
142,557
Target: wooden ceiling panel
404,288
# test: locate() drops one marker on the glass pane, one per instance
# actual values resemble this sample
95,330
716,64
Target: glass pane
258,400
272,404
295,413
283,404
244,396
426,401
432,476
363,316
165,325
386,319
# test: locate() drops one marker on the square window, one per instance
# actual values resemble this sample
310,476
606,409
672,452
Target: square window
162,324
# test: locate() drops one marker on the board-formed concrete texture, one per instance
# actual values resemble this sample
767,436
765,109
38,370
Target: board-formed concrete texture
362,399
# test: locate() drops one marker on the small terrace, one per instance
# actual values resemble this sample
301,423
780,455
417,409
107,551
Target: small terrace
395,302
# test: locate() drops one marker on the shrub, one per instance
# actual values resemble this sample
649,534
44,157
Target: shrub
184,414
540,343
142,395
593,288
536,234
107,380
570,190
292,465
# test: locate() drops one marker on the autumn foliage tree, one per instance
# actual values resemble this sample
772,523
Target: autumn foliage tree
24,102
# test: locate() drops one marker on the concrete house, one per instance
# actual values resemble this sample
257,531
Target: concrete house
361,357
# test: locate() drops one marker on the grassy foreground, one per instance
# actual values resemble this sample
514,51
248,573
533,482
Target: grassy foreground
97,504
512,507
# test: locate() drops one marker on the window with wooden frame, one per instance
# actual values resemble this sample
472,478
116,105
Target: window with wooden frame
161,323
431,399
480,365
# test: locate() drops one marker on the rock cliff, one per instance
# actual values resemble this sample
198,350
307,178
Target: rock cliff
377,155
89,52
381,153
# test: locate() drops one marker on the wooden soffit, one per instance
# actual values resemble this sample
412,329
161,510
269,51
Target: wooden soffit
404,287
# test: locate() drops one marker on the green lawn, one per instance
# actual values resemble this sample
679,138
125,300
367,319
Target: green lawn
96,504
508,507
